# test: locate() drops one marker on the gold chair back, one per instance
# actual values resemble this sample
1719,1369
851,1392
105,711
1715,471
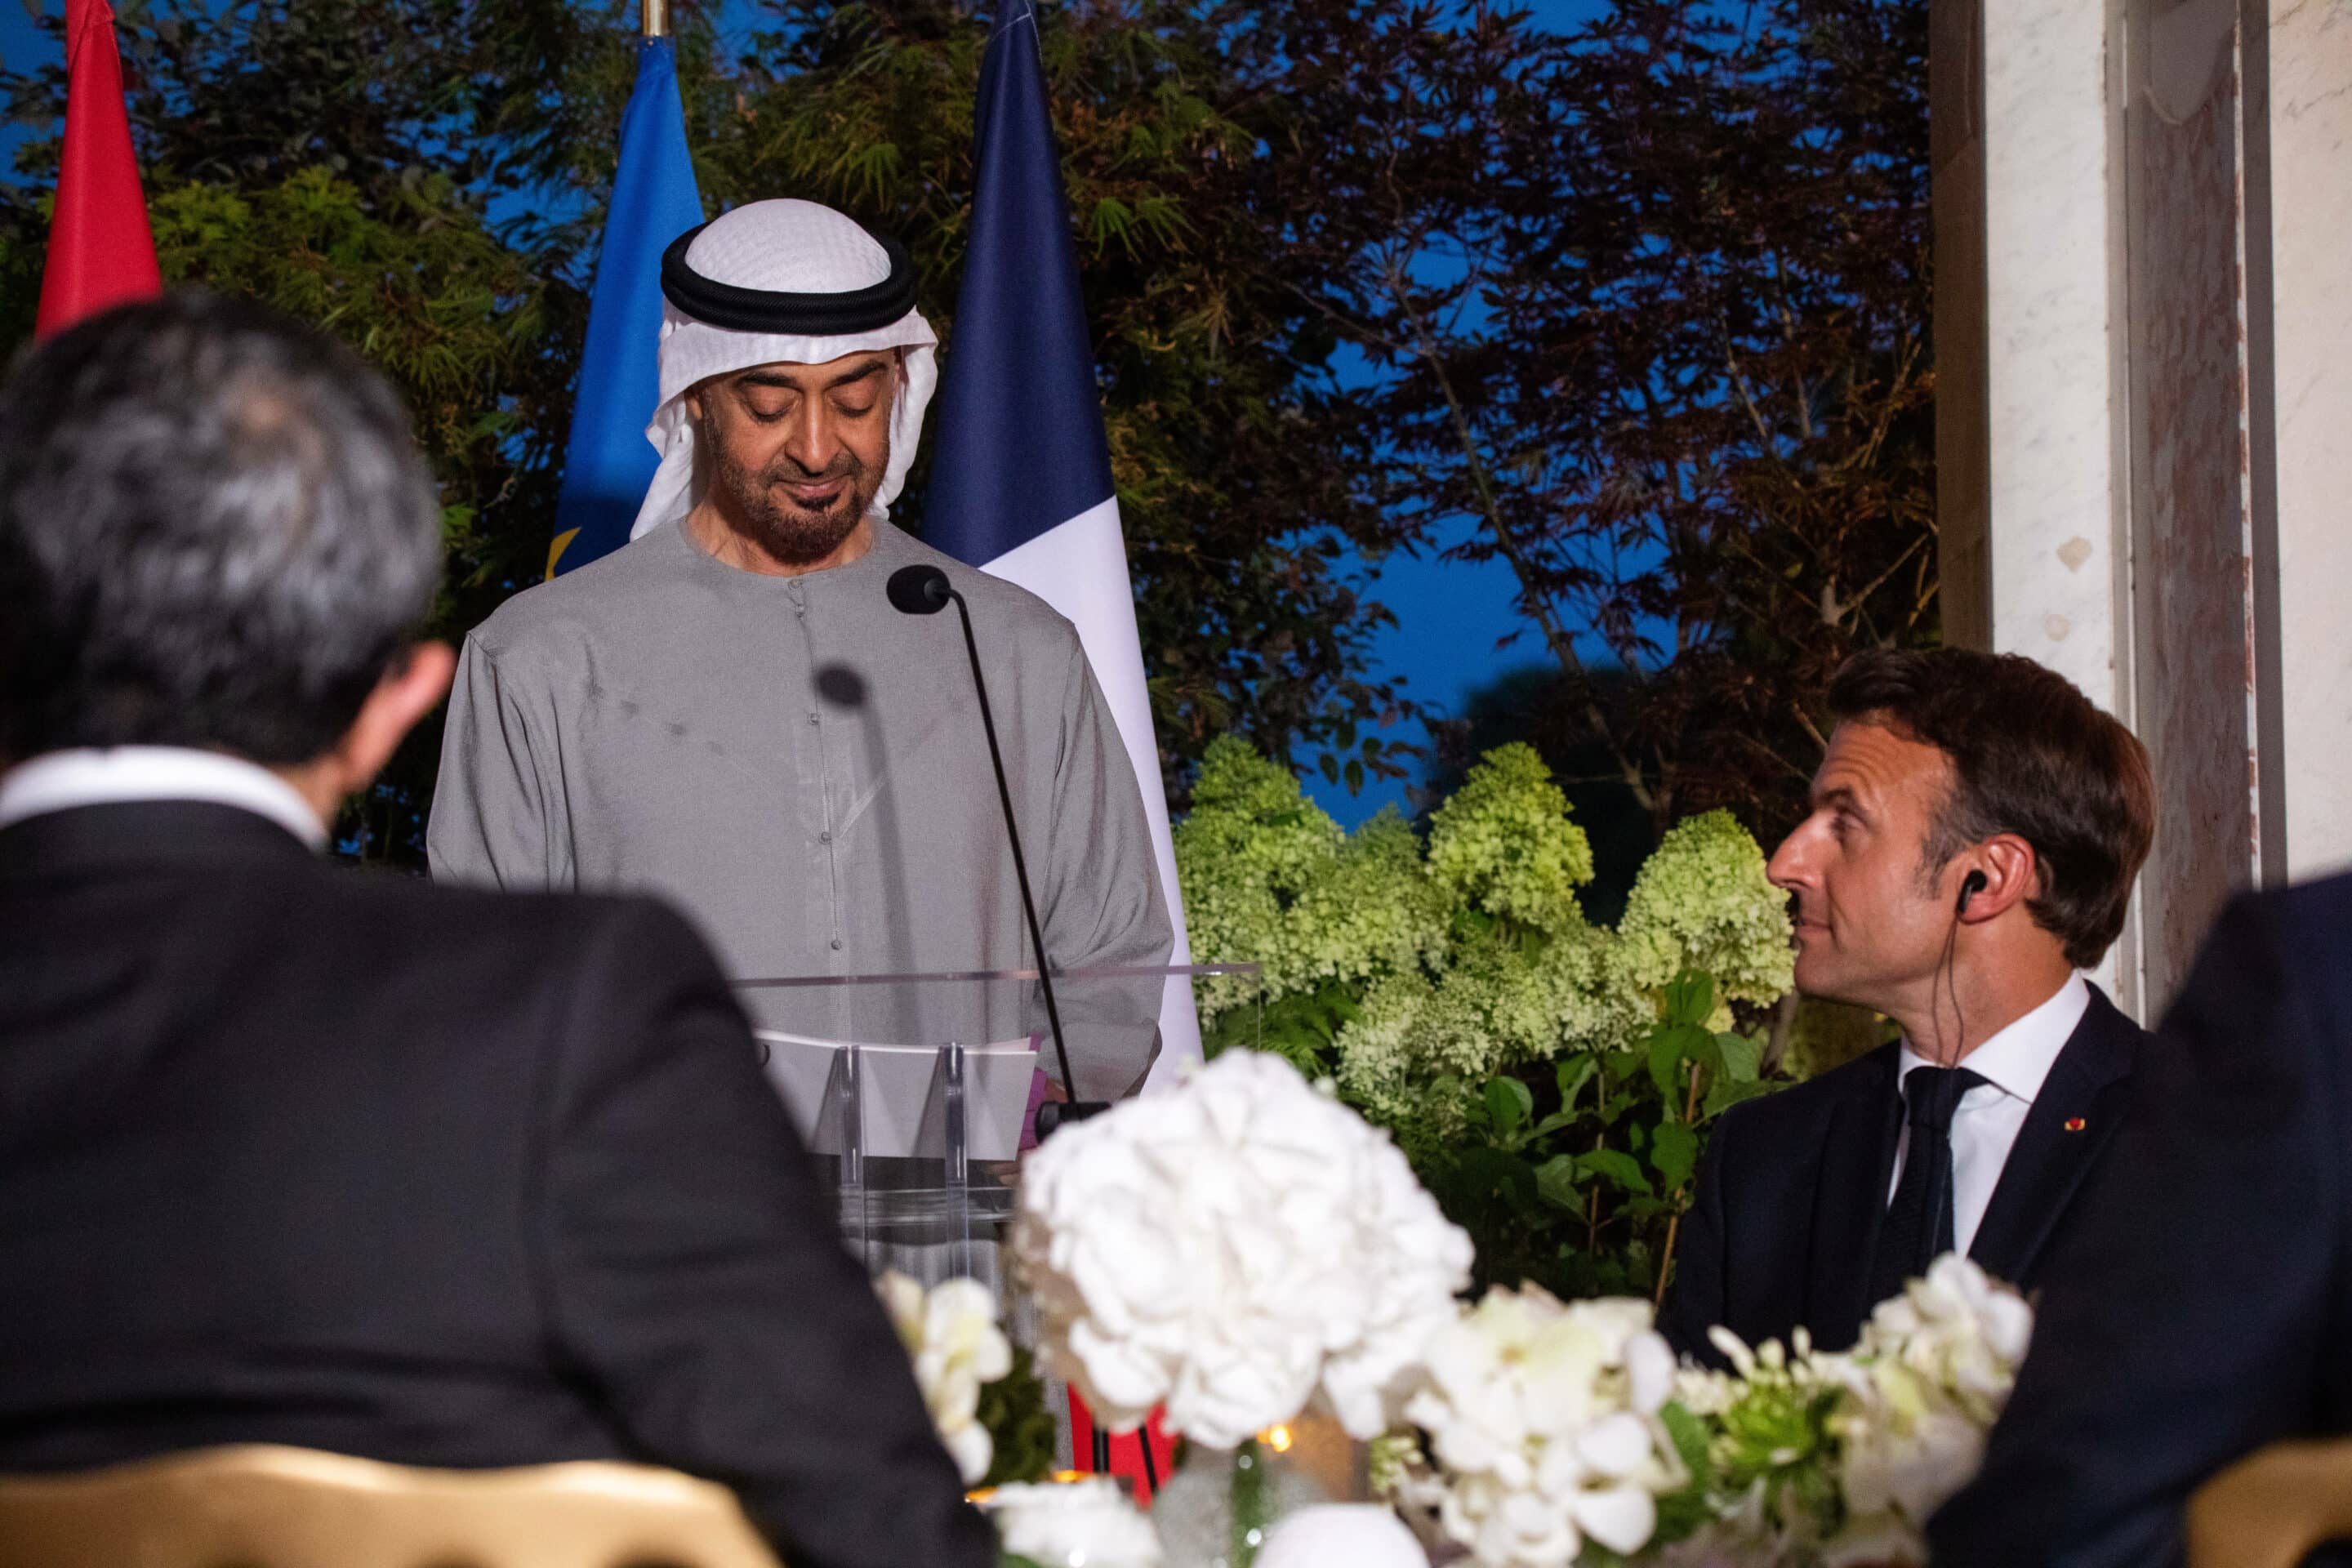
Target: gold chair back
260,1506
2272,1508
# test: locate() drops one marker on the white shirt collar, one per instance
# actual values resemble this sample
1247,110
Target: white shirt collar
59,780
2018,1059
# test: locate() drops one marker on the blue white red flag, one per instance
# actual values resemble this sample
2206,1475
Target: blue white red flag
609,462
1021,482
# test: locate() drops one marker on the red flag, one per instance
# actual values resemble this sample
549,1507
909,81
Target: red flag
1143,1478
101,252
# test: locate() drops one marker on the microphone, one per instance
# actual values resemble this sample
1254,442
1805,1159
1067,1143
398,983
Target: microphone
922,590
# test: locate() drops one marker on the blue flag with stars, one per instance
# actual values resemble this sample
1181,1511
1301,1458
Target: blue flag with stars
608,462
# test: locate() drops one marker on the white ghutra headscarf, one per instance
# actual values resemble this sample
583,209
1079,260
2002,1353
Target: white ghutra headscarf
781,282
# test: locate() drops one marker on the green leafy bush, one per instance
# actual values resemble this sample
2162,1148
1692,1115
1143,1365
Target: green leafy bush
1551,1079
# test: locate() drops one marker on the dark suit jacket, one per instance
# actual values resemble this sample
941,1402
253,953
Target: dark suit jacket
295,1154
1794,1188
2203,1306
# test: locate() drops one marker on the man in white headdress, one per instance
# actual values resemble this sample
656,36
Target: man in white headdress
730,711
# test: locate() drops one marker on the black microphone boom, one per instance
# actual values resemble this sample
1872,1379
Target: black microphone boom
925,591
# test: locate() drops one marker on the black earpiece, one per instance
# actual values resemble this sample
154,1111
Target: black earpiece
1971,885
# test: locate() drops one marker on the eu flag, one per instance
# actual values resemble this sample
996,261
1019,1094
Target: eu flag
609,462
1021,482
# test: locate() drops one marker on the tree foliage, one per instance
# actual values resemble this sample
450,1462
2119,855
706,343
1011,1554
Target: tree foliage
1640,309
427,177
1647,310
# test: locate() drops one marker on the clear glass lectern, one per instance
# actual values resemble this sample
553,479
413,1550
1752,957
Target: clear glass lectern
917,1092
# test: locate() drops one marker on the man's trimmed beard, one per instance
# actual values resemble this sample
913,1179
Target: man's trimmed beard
790,532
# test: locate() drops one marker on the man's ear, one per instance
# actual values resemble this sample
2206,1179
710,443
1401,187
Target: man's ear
408,691
2011,873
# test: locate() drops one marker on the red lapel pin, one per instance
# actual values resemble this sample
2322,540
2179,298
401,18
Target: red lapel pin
2075,1124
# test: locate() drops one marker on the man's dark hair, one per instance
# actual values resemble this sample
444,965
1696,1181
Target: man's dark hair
2031,755
215,530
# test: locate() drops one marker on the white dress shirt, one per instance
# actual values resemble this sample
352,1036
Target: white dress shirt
59,780
1985,1126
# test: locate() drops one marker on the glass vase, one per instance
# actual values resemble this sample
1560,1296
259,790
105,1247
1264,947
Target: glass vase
1215,1510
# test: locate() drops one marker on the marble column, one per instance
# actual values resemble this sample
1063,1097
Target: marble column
2031,476
2204,525
2311,291
2145,413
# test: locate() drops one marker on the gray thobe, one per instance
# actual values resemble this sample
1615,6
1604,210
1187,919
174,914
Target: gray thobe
801,768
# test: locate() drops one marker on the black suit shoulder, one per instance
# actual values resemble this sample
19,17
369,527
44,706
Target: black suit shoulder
465,948
1744,1256
2207,1250
445,914
1770,1119
2292,938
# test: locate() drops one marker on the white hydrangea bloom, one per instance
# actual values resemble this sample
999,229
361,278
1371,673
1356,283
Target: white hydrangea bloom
1369,911
1236,1248
1702,901
1487,1013
1379,1048
1504,842
1588,986
1542,1418
1252,842
951,1336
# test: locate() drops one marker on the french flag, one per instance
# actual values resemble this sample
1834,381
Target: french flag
1021,479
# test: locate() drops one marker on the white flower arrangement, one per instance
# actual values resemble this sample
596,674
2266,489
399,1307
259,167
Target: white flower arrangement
1073,1524
1541,1428
1238,1249
1543,1420
951,1335
1924,1388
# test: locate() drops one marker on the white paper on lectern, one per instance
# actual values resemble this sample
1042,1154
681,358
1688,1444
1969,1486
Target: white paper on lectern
903,1094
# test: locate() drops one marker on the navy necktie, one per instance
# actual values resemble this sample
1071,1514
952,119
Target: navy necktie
1919,1225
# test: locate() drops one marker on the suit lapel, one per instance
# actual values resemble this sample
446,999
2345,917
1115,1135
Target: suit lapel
2070,1121
1849,1204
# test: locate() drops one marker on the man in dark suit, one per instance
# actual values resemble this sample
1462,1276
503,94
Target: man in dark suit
2200,1305
294,1154
1975,827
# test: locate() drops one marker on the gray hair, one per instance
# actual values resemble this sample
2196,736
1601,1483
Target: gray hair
215,530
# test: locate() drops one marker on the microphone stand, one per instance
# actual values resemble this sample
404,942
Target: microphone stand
1050,1116
920,590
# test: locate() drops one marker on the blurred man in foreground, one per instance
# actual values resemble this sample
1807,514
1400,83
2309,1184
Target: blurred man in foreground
1977,825
2200,1308
290,1155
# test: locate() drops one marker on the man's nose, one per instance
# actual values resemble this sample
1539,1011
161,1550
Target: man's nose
812,440
1791,864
